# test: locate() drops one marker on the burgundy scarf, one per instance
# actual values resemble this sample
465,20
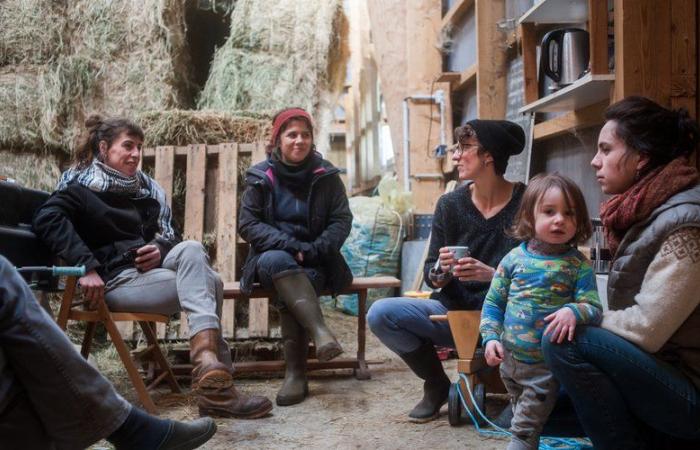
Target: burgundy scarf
624,210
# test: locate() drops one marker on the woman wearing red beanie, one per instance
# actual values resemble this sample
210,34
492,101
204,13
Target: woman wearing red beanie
295,216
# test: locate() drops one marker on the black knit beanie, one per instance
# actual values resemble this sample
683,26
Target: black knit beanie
501,138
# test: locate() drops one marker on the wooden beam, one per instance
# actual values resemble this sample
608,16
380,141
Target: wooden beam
456,12
598,32
529,50
643,49
574,120
491,60
683,55
466,77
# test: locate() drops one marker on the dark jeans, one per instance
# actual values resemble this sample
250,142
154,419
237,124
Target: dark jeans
273,262
52,398
625,398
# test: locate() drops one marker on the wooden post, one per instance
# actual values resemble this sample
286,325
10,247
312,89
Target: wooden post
684,55
643,49
598,32
491,60
529,48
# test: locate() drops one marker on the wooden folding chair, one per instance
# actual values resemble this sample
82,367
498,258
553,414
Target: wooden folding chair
71,310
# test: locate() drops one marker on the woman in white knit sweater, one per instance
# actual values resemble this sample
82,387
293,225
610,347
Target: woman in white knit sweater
635,381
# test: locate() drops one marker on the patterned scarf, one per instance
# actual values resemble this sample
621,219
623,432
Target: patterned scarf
99,177
634,205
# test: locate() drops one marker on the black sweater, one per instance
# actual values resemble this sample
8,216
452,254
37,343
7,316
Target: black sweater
458,222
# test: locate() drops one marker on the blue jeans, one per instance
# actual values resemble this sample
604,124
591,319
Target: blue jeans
403,324
50,397
625,397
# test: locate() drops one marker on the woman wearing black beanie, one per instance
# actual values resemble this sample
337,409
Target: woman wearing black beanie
475,215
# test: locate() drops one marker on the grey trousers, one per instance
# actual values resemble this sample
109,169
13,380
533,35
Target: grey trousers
184,282
50,397
533,392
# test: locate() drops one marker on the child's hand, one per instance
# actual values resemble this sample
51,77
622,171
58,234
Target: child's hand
561,324
493,353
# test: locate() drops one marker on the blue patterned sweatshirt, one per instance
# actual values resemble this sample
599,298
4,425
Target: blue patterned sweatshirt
526,288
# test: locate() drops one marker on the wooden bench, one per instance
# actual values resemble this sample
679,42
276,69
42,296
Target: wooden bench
359,286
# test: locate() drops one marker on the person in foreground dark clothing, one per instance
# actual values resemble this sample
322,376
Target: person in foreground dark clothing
51,398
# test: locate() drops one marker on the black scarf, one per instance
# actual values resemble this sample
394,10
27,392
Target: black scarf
297,176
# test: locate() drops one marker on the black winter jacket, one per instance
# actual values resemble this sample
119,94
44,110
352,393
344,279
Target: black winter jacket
329,220
96,229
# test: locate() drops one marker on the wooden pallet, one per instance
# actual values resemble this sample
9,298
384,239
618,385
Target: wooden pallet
211,193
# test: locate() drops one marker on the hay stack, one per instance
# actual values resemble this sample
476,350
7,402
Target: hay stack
280,53
182,127
135,51
64,60
31,31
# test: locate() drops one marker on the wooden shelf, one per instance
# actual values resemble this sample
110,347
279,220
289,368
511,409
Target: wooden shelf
571,121
586,91
459,80
456,12
557,11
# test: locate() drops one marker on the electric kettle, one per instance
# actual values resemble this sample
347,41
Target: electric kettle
565,55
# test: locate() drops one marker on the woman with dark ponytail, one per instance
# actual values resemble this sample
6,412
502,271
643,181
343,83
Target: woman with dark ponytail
635,380
109,216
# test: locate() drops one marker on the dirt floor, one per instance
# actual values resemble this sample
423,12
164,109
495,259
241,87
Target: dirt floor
340,412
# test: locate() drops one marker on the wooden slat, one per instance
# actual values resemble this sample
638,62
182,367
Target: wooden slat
598,32
184,331
165,170
226,223
529,46
491,60
233,288
258,317
228,318
456,12
194,195
211,150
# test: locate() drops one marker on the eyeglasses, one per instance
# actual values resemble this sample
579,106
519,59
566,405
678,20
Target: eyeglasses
459,149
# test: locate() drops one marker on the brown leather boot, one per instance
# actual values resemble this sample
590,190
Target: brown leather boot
296,291
229,402
296,349
208,372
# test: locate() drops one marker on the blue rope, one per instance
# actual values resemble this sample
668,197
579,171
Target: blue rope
546,442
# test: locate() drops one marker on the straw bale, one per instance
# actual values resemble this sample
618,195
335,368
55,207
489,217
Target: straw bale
136,49
182,127
29,96
31,31
36,171
279,54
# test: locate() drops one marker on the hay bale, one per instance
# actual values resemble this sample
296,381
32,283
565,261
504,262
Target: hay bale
31,31
183,127
30,98
279,54
137,51
35,171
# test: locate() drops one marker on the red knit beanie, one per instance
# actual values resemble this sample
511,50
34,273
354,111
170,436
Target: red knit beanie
284,117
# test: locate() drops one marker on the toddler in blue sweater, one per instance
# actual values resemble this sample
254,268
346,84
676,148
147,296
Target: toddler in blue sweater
546,287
